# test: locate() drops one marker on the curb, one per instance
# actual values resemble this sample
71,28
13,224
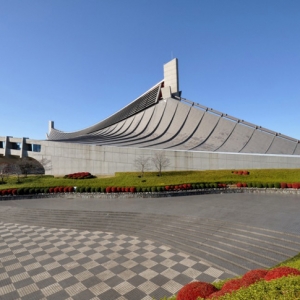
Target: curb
156,194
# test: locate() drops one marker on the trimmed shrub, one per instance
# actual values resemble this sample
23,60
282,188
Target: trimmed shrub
281,272
98,189
158,189
46,190
259,185
194,290
31,191
153,189
20,191
232,285
277,185
138,189
103,189
253,276
283,185
270,185
217,294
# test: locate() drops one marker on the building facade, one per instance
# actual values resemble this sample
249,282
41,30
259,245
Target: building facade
192,136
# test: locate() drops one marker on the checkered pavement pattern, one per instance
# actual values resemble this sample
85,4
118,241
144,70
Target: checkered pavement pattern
49,263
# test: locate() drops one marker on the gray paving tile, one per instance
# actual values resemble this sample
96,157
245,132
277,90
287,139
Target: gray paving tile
83,263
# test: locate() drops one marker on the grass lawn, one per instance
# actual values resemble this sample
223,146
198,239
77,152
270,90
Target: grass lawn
151,179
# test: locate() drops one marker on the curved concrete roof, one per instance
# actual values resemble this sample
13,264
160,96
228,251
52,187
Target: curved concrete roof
176,123
161,119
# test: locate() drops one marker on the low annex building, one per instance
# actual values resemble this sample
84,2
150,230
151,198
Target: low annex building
192,136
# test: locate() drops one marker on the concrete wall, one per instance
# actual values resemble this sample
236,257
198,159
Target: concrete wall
106,160
70,158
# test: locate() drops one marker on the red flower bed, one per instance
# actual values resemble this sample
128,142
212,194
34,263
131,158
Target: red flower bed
222,185
253,276
196,289
241,172
108,189
132,189
232,285
79,175
280,272
239,184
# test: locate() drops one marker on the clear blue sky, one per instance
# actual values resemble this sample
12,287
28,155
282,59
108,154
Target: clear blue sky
77,62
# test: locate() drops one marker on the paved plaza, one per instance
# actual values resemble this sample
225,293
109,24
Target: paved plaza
139,248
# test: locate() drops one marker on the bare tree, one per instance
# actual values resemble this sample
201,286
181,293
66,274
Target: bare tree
27,166
3,171
142,164
14,169
160,161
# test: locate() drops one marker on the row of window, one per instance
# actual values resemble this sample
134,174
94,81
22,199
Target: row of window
18,146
